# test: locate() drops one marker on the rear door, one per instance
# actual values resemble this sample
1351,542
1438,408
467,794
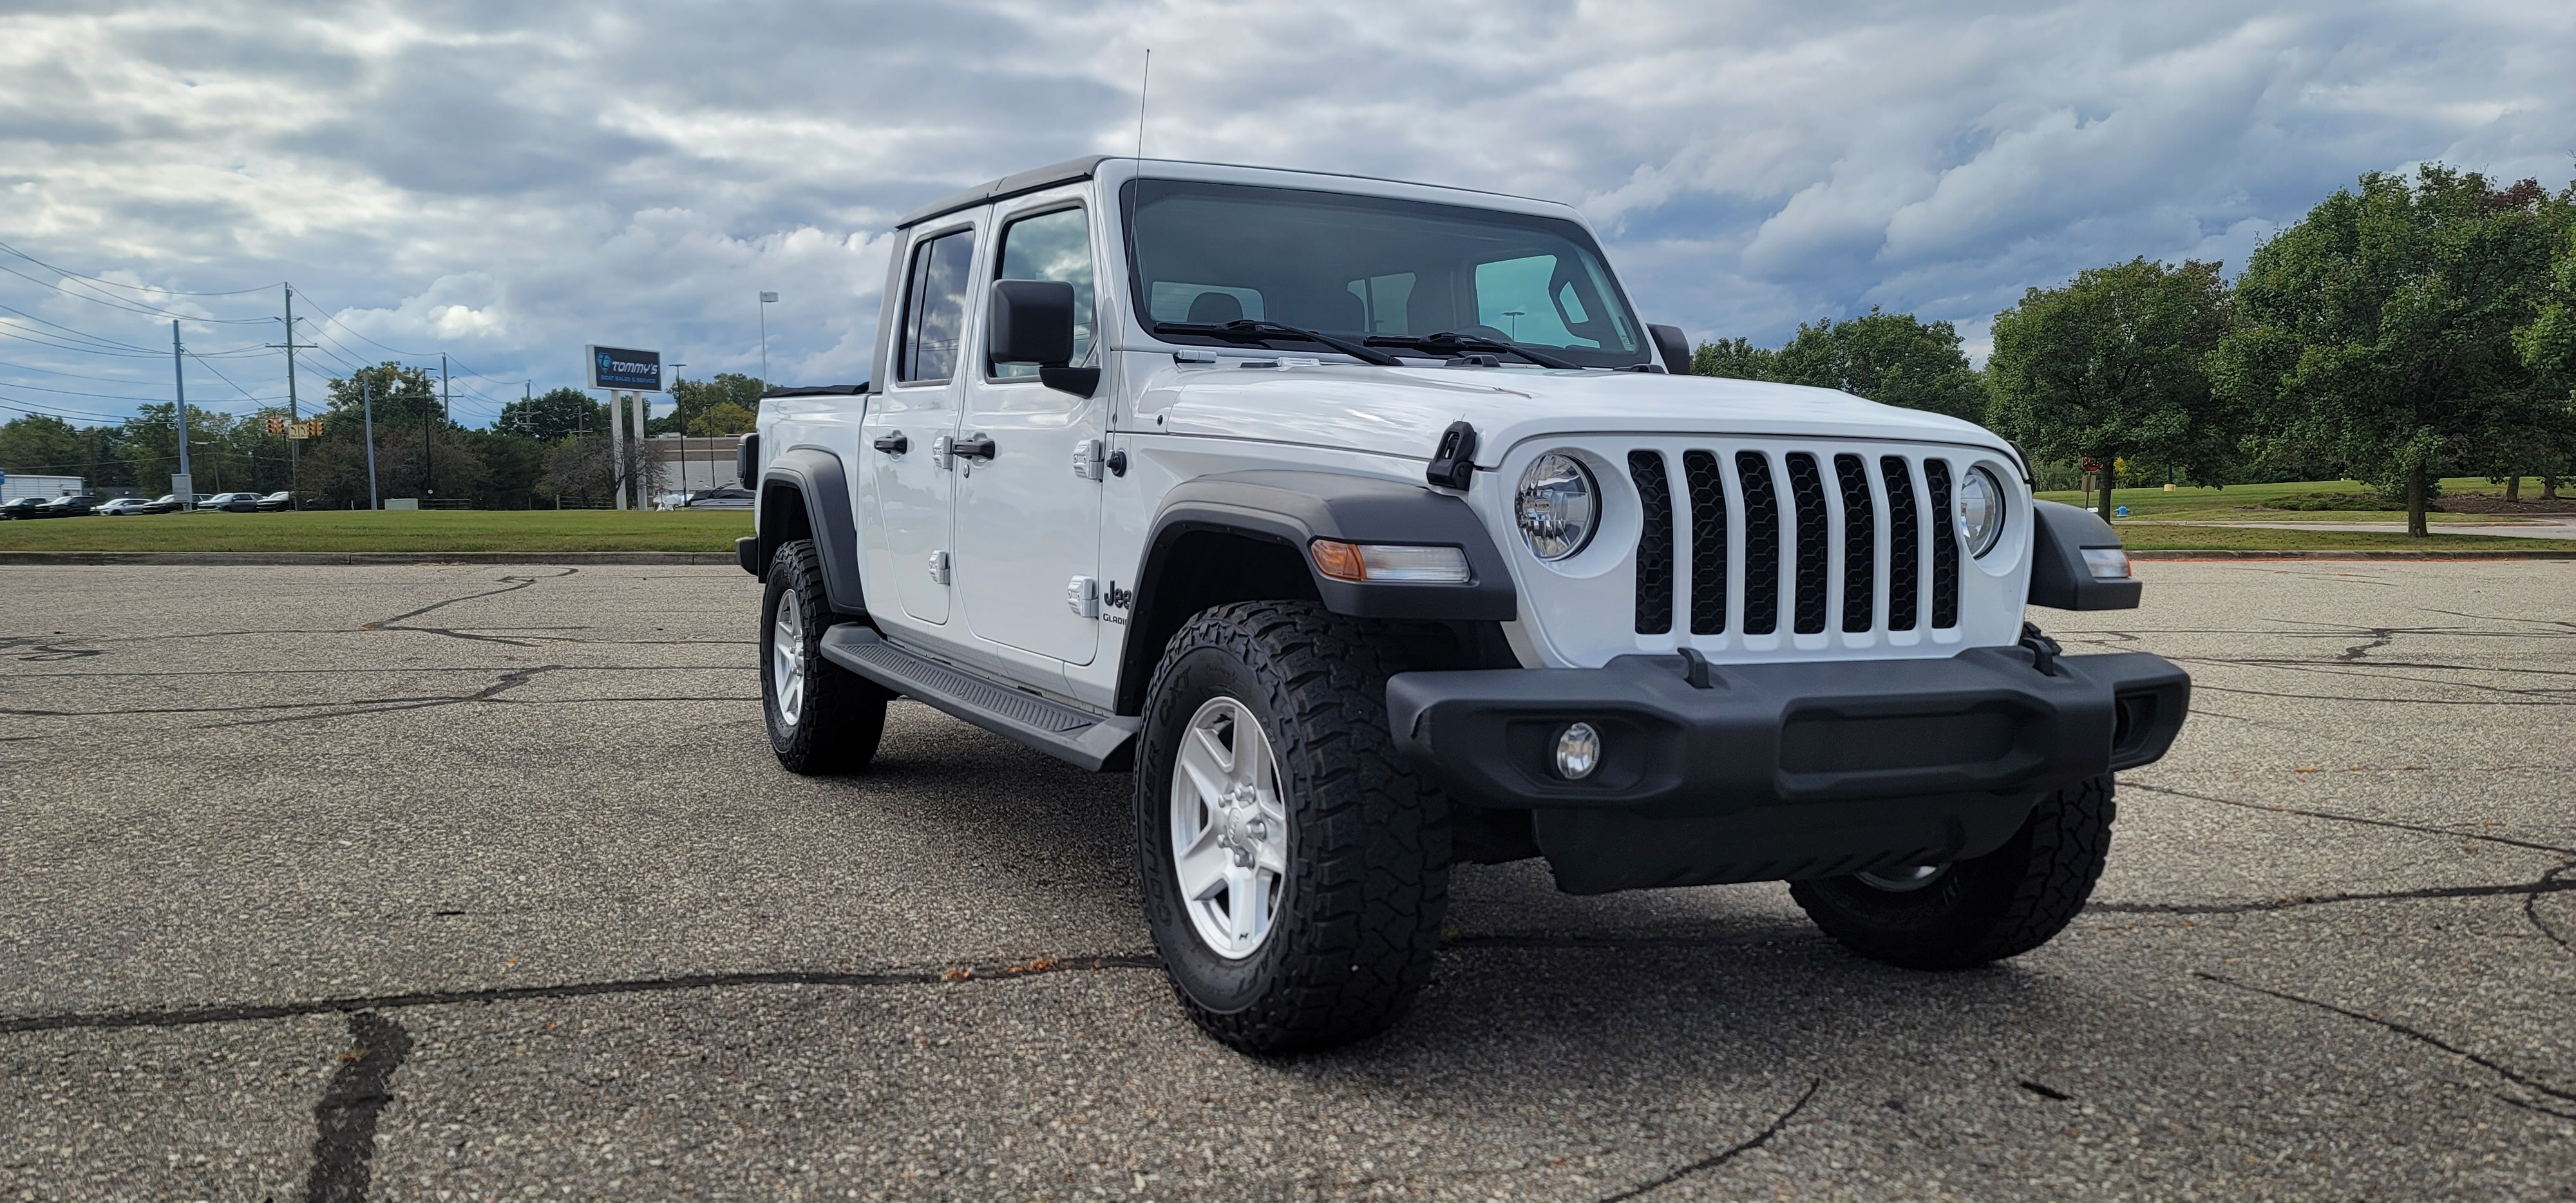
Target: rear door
910,424
1028,518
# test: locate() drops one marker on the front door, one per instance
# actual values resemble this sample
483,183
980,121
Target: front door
910,424
1028,517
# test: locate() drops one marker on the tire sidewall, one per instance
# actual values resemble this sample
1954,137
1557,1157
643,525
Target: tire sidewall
1219,984
787,576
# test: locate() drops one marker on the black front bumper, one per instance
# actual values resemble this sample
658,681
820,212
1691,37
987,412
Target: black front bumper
1781,771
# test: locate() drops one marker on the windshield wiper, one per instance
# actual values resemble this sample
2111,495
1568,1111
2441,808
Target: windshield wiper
1250,330
1450,342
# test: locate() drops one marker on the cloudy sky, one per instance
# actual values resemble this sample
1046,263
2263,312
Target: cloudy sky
505,182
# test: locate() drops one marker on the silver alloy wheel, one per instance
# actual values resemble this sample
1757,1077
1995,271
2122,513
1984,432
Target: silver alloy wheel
787,658
1905,880
1229,828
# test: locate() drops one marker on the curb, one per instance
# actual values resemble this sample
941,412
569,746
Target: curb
2355,554
326,558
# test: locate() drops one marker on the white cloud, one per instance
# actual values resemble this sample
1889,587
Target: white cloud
506,182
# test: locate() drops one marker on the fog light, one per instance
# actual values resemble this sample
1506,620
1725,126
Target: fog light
1578,752
2107,563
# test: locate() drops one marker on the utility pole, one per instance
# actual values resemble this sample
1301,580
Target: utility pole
185,484
294,413
367,398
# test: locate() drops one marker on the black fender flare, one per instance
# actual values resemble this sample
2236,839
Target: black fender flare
1298,507
816,476
2059,577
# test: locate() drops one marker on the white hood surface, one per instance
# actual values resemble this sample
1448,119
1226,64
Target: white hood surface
1402,411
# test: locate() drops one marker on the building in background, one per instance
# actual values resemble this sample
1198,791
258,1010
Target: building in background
693,464
14,486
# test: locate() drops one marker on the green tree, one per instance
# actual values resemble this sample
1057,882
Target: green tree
722,418
42,445
2548,347
553,415
2380,328
692,398
1890,358
2111,366
1733,359
401,396
513,466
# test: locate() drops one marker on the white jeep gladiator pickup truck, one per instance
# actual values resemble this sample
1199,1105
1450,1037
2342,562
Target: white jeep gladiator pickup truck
1366,525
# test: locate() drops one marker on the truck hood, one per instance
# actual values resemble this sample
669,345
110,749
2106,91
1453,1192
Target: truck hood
1402,411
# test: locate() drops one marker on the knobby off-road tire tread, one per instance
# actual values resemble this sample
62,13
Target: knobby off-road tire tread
1370,874
844,717
2012,900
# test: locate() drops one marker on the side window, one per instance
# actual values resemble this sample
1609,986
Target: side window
934,318
1050,246
1512,296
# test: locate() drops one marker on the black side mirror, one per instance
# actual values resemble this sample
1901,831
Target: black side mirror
1674,346
1031,322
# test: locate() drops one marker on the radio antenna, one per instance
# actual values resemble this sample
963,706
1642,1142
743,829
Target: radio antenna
1143,82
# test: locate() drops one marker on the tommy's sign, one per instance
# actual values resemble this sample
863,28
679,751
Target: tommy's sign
625,368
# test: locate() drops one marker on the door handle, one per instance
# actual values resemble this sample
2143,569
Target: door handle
893,444
974,447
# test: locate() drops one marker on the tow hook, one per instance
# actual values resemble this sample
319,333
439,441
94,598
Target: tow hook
2043,650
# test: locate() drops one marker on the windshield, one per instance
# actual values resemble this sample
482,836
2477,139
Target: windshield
1365,267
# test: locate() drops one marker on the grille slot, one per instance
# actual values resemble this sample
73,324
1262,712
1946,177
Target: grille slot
1776,540
1761,544
1904,545
1945,546
1654,544
1708,542
1860,544
1807,496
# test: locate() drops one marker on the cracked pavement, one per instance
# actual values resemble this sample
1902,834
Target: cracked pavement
470,882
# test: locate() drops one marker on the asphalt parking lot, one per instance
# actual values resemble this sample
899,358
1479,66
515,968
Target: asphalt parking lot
479,882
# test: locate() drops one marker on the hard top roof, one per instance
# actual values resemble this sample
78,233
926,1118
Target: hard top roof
1089,165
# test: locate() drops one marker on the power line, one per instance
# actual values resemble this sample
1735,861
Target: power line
29,367
137,287
120,303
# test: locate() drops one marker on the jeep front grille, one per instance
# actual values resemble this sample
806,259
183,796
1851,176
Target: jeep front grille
1815,558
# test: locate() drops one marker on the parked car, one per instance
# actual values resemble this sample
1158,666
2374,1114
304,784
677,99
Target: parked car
1391,588
232,503
120,506
281,500
23,507
721,499
167,502
74,505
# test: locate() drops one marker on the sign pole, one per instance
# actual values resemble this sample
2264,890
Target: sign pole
643,457
617,440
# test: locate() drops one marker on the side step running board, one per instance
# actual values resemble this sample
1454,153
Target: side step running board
1086,739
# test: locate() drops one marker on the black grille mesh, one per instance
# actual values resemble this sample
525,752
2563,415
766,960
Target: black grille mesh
1904,545
1945,546
1708,542
1860,543
1761,544
1654,543
1807,495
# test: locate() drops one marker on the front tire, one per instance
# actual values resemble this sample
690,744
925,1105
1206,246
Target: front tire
823,718
1999,905
1294,870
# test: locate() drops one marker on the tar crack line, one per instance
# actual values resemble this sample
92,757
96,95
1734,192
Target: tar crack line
345,1141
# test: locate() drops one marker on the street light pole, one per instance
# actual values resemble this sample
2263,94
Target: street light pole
767,299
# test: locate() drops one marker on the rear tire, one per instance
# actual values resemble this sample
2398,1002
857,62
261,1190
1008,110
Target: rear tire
823,718
1999,905
1340,849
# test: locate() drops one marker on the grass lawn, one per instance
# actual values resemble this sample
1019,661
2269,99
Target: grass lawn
387,530
2244,503
2159,521
2181,537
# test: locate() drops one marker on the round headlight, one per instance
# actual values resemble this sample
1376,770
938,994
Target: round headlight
1981,511
1557,506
